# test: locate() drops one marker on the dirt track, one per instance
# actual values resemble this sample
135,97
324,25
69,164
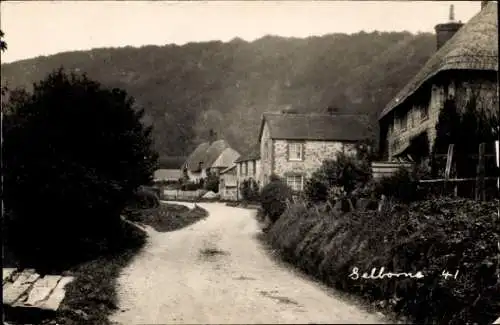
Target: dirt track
215,271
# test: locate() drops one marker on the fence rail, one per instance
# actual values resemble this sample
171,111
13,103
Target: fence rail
182,195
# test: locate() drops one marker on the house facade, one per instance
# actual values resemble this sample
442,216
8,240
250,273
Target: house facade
248,166
293,145
228,184
464,68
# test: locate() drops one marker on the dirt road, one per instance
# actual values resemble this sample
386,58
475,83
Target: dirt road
215,271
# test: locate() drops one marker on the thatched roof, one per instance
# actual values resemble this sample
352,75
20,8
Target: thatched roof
213,152
226,158
196,157
473,47
252,154
322,127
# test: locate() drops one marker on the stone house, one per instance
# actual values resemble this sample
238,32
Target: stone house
464,67
294,145
228,184
209,157
248,167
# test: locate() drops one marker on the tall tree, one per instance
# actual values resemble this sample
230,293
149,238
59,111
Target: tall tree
3,44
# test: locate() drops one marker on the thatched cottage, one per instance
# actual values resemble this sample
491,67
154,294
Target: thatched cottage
294,145
464,66
209,157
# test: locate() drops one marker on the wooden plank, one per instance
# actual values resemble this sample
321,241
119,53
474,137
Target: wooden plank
13,291
453,179
8,274
57,296
42,289
449,159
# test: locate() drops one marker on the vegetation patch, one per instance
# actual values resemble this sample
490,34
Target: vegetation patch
431,236
167,217
92,297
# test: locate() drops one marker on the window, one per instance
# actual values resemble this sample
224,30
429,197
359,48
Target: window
254,168
295,182
246,168
295,151
241,169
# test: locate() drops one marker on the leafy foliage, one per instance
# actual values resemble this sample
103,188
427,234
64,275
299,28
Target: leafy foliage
212,182
249,190
188,90
274,197
84,154
466,127
3,44
338,178
429,236
402,186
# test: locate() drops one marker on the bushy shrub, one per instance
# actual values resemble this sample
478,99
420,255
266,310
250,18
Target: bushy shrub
212,183
274,198
430,236
85,152
191,186
337,179
401,186
145,198
249,190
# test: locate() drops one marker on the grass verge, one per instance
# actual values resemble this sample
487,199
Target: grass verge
167,216
92,296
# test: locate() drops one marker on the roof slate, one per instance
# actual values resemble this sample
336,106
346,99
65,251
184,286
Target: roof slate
252,154
325,127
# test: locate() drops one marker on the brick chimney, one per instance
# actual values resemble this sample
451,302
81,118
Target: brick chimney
483,4
446,31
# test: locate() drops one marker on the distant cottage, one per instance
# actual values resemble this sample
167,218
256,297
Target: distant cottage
209,157
248,167
465,66
294,145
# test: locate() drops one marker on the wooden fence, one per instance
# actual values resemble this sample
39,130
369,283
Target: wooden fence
385,169
182,195
481,187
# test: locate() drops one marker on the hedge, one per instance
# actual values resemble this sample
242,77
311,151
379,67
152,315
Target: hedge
429,236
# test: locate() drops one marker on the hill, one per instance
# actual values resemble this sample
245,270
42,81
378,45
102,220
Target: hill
188,90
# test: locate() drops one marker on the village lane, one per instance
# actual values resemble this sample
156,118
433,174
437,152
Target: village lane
216,271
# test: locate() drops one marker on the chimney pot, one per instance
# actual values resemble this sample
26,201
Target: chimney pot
483,4
446,31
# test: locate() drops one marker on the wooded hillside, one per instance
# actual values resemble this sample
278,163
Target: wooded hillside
188,90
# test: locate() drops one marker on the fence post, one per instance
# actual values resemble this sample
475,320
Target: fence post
480,193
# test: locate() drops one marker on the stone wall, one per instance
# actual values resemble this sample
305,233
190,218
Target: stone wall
313,155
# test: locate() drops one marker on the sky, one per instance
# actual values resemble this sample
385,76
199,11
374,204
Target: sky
35,28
